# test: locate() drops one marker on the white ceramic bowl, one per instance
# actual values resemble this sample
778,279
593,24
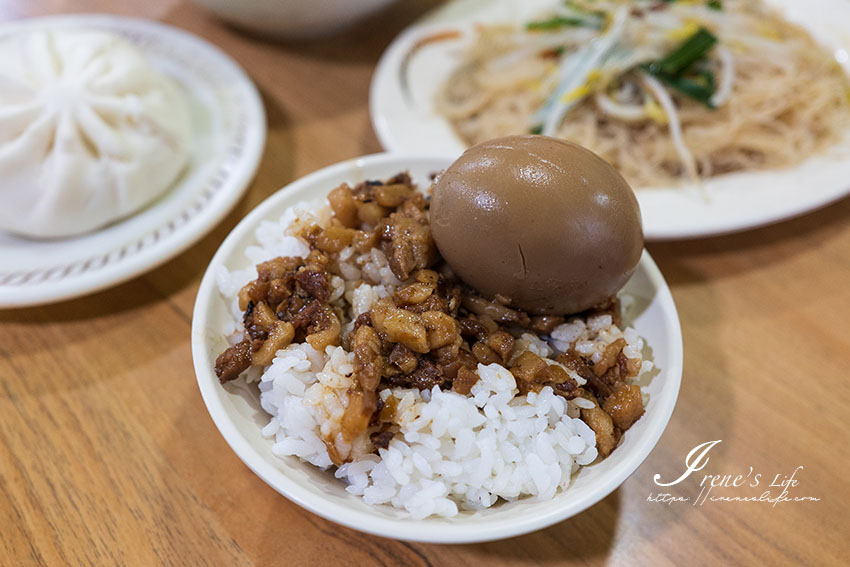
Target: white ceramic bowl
293,19
238,416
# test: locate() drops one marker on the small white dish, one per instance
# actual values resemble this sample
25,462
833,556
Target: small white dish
236,412
229,126
403,116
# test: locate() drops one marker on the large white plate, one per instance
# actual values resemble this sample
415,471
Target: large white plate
401,105
229,134
238,416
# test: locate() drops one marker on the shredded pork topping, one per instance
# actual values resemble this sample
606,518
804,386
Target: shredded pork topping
432,331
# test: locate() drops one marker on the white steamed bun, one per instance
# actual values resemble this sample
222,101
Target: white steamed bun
90,131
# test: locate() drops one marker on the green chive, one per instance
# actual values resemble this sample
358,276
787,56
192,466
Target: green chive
693,88
536,130
699,85
554,23
713,4
706,77
683,56
601,14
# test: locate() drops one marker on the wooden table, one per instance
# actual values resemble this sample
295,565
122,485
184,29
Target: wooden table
108,456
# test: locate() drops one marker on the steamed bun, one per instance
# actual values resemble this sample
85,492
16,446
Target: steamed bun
90,131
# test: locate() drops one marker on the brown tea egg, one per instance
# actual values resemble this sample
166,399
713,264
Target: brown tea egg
543,222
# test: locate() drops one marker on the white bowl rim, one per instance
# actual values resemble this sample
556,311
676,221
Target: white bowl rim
411,530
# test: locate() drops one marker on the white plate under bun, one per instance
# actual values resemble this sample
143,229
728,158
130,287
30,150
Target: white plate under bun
237,414
229,131
404,118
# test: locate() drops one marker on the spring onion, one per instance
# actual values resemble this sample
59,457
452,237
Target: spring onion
685,55
700,88
672,69
554,23
713,4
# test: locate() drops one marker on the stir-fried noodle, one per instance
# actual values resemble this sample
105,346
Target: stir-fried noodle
662,90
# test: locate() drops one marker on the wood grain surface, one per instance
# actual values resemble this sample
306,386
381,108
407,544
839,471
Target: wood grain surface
108,457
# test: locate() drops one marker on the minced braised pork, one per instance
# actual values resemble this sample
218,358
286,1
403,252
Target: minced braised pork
433,330
287,302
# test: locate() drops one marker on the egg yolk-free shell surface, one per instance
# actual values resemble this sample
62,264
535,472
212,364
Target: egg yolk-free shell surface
543,222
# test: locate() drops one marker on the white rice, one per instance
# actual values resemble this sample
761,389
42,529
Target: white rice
451,452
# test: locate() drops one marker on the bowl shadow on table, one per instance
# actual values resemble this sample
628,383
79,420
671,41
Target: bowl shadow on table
584,538
706,404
